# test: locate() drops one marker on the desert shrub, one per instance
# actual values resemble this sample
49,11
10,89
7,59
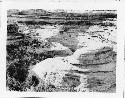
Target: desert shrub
35,81
12,28
15,71
13,85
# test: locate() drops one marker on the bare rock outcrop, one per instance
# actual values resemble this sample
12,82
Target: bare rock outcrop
92,71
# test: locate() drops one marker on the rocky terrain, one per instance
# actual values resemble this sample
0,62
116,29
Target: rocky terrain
61,51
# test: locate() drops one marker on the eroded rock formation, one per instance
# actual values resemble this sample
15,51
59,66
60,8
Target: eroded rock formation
92,71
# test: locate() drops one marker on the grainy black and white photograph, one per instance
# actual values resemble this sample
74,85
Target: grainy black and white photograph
61,50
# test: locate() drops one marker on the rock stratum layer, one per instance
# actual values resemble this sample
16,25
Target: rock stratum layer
92,71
